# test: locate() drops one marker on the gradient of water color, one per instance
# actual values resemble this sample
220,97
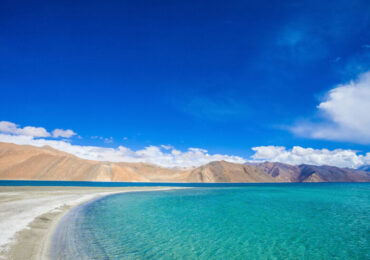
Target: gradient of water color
272,221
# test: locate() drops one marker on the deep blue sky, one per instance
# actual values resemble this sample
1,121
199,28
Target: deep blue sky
221,75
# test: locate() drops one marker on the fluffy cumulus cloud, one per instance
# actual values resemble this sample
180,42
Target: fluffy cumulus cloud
14,129
346,114
166,156
299,155
169,156
11,128
63,133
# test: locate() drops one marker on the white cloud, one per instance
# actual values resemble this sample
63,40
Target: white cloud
14,129
299,155
11,128
346,114
167,147
63,133
169,156
152,154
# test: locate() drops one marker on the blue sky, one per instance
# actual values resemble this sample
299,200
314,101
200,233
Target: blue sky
221,76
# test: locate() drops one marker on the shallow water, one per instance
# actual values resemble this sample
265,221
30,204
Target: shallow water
297,221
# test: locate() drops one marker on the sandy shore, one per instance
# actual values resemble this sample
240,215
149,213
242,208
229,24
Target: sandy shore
29,216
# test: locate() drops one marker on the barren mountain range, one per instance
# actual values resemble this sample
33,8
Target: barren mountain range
23,162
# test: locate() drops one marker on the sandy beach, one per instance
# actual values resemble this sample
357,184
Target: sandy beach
29,215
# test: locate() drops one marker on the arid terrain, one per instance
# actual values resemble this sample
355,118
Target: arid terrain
23,162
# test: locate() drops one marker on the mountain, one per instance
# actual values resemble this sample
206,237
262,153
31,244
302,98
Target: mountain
280,171
311,173
24,162
222,171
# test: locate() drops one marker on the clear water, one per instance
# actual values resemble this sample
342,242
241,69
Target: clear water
297,221
124,184
121,184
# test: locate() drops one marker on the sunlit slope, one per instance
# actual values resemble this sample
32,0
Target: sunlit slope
23,162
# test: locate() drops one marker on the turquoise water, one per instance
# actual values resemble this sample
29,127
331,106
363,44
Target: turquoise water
121,184
297,221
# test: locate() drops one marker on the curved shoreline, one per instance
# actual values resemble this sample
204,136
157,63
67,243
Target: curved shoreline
35,240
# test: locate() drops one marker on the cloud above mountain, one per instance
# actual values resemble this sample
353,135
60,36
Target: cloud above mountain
166,156
63,133
12,128
345,114
299,155
169,156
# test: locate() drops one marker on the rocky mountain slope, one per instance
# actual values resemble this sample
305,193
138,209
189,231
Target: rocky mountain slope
228,172
312,173
45,163
22,162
